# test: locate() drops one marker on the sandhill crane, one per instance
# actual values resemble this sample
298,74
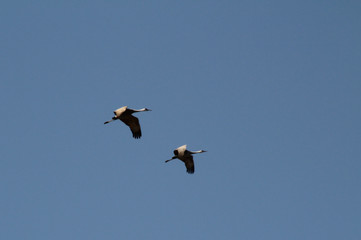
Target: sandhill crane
124,114
185,156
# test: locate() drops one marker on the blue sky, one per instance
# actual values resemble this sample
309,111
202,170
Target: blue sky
270,89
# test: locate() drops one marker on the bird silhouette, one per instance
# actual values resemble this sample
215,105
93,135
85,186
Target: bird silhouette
185,156
124,114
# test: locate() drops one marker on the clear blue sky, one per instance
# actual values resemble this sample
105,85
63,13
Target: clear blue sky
272,89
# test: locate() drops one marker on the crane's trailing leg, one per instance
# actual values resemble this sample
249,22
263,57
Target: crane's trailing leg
114,118
171,159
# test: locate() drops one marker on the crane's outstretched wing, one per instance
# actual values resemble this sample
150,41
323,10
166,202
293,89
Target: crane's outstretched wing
133,123
189,164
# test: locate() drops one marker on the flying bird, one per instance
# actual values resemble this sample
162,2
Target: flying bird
124,114
185,156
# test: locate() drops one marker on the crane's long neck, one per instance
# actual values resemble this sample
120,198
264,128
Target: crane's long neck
195,152
140,110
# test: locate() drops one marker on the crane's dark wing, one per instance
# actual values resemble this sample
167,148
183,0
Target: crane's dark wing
133,123
189,164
